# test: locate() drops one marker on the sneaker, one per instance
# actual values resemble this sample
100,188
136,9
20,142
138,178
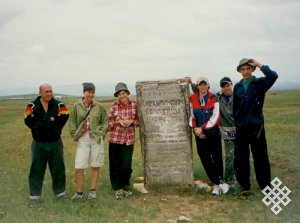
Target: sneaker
77,197
233,185
34,202
224,187
92,195
216,190
61,196
245,193
120,194
127,193
241,192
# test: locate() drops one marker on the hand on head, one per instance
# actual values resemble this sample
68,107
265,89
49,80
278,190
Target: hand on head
254,63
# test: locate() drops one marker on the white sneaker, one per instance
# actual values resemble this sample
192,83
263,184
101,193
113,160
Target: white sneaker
34,202
224,188
127,193
120,194
77,197
61,195
92,195
216,190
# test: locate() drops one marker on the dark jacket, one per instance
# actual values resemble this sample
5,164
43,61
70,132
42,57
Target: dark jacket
205,116
46,127
248,106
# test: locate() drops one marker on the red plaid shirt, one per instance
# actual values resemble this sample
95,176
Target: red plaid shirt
119,134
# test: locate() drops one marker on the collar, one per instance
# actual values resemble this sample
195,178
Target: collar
248,81
253,79
209,94
38,100
119,103
92,104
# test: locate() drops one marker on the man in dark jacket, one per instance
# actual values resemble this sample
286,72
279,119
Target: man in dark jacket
248,101
46,117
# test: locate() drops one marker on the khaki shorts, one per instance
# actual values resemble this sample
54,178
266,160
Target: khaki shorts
88,149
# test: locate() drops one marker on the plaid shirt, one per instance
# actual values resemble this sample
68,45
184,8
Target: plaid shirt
119,134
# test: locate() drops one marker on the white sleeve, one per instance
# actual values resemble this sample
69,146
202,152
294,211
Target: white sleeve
192,117
214,119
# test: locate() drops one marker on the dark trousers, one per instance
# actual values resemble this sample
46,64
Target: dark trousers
120,159
259,151
210,153
43,153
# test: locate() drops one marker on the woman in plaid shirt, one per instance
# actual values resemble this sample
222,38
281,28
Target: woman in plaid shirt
123,118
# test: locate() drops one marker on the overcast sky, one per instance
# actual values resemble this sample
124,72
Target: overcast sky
66,42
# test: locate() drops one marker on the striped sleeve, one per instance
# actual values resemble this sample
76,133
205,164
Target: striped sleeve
214,119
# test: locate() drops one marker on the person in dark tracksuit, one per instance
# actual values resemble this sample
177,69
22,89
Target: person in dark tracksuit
248,101
46,117
204,120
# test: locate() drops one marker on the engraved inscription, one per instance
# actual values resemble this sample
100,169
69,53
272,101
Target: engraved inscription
165,135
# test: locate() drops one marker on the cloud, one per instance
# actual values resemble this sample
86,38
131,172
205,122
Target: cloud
36,49
107,41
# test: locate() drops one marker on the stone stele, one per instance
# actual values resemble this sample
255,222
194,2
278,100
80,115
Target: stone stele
166,143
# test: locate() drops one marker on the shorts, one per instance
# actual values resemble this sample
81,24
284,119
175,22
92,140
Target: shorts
88,149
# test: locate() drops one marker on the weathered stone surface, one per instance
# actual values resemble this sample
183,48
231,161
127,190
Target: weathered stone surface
163,108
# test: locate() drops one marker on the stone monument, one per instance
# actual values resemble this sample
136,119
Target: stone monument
166,142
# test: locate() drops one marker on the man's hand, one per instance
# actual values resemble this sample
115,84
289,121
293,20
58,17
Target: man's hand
197,131
255,63
202,136
189,79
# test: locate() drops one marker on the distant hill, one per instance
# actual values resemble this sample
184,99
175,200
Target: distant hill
108,90
75,90
286,86
57,96
32,96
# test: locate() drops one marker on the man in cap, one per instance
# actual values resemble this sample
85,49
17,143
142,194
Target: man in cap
227,127
46,117
248,101
88,124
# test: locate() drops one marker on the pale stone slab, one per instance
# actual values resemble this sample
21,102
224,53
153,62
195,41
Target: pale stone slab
166,141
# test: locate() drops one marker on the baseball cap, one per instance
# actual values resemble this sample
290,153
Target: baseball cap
202,79
225,80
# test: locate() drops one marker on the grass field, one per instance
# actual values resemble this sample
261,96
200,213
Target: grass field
282,115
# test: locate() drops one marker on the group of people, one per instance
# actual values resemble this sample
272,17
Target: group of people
236,115
89,122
